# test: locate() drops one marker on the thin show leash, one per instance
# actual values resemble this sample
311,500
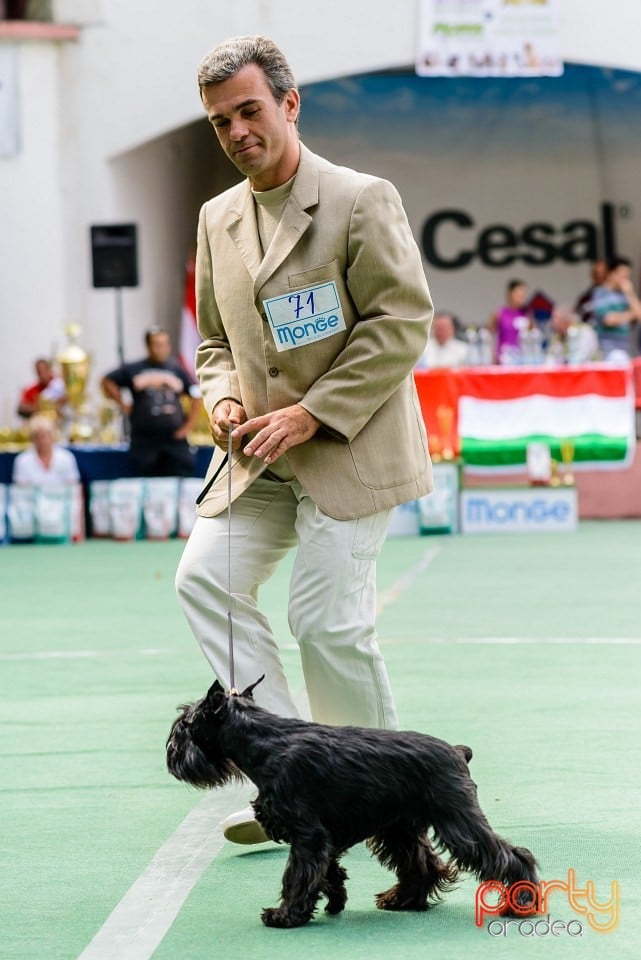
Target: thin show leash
199,499
230,629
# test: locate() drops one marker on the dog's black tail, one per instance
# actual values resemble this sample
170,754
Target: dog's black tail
466,752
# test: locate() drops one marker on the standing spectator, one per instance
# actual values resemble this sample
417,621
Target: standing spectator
443,349
313,308
159,424
616,308
47,392
598,273
44,464
509,321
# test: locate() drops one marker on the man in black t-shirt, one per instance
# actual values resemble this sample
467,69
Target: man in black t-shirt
159,424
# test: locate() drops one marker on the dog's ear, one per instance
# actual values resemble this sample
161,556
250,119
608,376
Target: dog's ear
193,754
249,691
216,695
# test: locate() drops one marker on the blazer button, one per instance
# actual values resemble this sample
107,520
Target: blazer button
273,371
264,317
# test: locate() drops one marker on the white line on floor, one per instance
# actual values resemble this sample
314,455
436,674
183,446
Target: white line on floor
539,641
404,583
138,924
88,654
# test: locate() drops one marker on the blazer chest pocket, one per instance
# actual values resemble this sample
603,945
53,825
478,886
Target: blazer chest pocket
327,271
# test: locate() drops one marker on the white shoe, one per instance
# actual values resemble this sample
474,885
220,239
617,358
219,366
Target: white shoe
243,827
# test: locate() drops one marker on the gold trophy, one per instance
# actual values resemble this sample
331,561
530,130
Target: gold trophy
74,364
567,456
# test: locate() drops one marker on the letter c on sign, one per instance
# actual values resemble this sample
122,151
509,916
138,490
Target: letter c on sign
430,228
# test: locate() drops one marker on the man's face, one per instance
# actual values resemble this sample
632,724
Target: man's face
44,372
257,134
159,348
619,278
443,329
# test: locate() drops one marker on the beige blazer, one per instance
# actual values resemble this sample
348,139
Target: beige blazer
344,234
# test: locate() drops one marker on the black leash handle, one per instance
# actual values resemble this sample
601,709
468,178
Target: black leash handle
205,490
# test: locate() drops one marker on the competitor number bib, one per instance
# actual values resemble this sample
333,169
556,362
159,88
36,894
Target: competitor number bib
305,316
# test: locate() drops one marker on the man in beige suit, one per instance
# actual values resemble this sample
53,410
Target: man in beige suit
313,307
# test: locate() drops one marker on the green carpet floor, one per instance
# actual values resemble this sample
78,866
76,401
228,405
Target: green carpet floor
95,656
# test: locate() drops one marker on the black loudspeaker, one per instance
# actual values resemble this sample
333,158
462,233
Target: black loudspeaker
114,255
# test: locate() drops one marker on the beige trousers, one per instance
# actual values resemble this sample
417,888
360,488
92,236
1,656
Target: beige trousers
332,602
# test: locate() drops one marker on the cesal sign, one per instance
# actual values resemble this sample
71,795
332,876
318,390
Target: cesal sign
452,240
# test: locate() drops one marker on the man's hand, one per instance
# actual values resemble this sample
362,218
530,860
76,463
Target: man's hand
618,319
276,432
226,415
627,288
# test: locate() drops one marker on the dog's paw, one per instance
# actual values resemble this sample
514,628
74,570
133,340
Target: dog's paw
393,899
336,902
334,888
279,917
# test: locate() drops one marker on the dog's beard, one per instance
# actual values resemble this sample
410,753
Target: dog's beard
187,761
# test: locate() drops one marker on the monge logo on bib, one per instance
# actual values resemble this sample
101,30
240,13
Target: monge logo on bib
305,316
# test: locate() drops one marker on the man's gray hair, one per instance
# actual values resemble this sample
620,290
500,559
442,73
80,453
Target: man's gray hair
230,56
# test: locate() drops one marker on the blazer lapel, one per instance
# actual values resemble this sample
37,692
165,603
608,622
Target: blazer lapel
243,230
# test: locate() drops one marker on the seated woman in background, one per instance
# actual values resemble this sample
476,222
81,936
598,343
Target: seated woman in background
508,321
45,463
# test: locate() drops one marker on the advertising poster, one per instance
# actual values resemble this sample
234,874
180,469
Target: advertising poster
489,38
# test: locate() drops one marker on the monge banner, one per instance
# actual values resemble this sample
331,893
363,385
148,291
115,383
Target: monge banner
489,38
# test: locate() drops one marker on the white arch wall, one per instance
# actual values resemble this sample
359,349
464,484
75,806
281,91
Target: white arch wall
601,32
99,118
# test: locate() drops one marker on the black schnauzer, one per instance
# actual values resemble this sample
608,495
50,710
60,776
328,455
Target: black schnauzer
322,789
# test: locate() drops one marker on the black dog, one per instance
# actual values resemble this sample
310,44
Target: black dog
322,789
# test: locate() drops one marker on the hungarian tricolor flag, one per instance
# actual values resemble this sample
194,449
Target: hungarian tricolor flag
589,410
189,336
489,415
